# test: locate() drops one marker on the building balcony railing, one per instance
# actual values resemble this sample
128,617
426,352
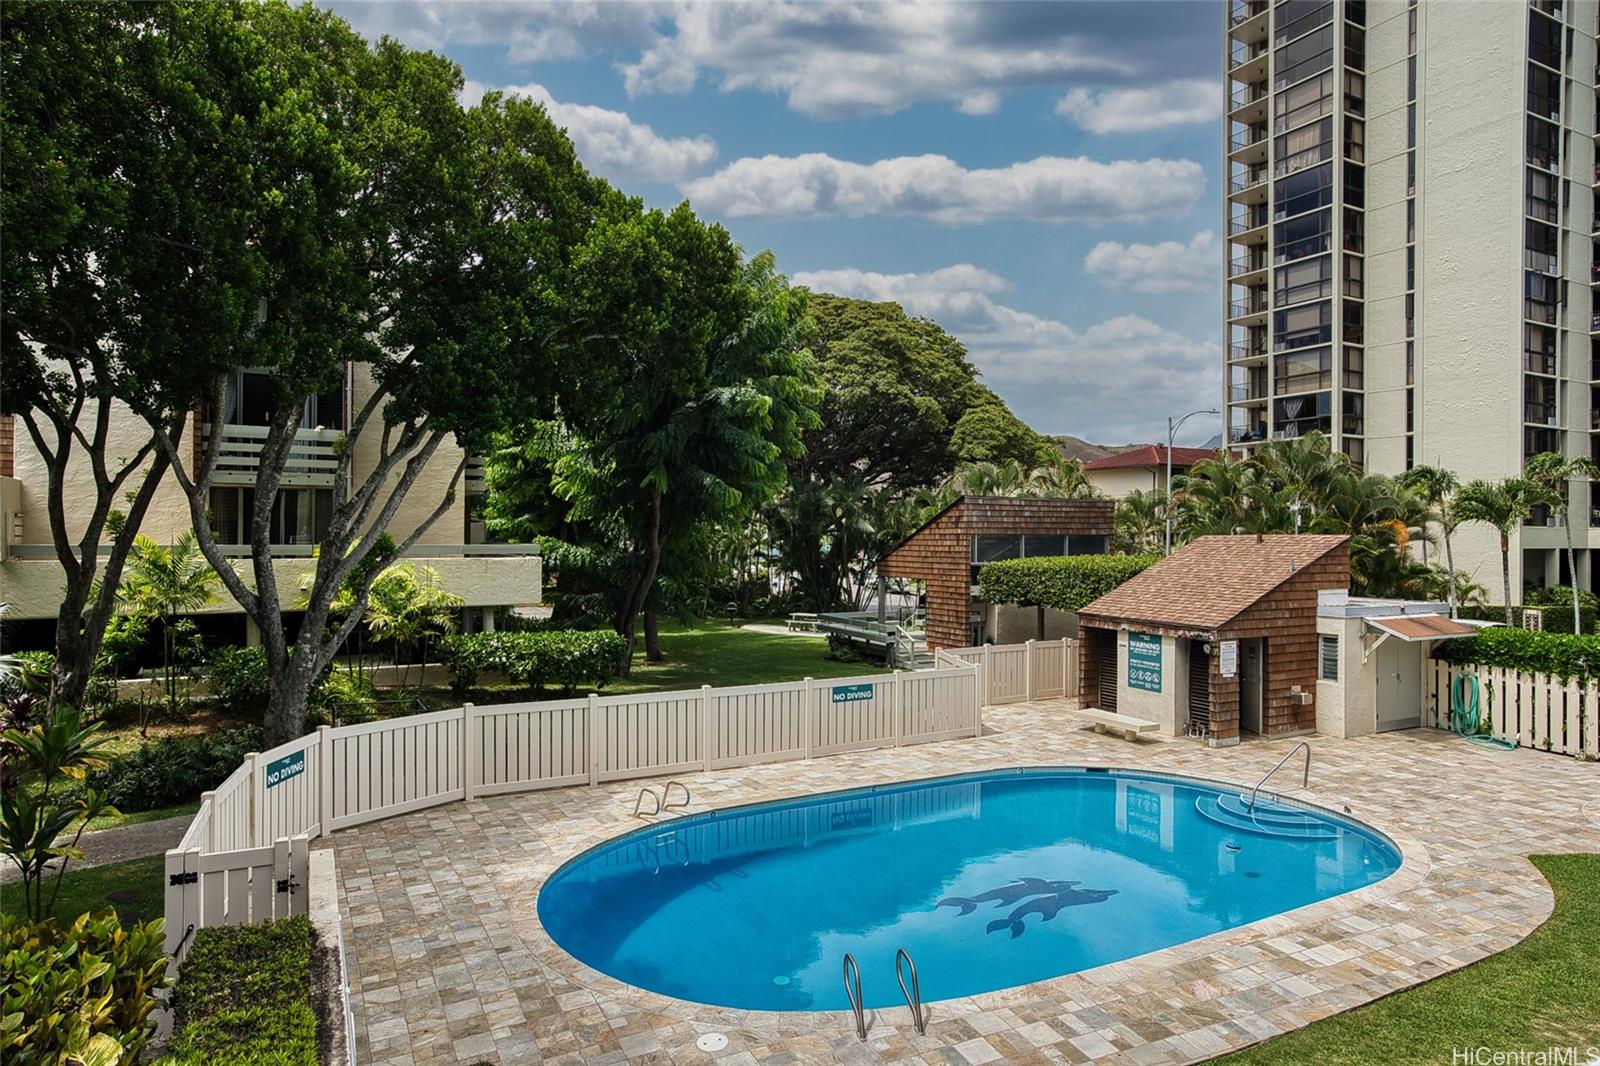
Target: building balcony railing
474,478
313,457
1249,94
1247,393
1246,434
1243,54
1240,308
1246,179
1246,264
1594,324
1245,223
1543,262
1247,138
1241,13
1237,352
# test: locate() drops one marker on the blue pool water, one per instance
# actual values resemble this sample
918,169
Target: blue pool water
988,880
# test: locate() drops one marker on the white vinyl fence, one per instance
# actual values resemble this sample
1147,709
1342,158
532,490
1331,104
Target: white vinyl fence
243,858
1013,673
1536,710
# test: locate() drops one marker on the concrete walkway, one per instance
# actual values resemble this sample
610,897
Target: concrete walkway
121,842
779,629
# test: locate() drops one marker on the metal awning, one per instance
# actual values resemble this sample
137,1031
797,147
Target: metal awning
1413,629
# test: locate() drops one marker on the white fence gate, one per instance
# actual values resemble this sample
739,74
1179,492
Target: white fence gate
1012,673
244,856
1536,710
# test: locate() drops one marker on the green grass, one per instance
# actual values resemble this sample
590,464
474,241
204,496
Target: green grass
1538,994
113,821
721,654
85,890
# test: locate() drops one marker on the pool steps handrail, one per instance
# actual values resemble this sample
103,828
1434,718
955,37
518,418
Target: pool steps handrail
663,802
1305,778
914,994
666,802
638,804
853,994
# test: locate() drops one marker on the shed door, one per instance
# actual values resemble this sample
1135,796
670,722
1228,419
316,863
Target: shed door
1399,686
1199,686
1108,670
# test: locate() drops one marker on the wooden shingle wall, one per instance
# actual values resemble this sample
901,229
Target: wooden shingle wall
940,553
8,446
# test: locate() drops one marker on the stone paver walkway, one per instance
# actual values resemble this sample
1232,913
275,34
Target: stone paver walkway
121,842
448,962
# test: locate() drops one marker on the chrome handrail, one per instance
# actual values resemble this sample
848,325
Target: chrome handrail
638,804
667,804
1305,778
914,996
854,995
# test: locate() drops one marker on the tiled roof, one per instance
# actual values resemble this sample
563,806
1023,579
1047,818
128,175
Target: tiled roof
1152,455
1210,581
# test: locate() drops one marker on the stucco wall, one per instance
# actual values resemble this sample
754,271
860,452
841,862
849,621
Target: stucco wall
1162,707
1120,481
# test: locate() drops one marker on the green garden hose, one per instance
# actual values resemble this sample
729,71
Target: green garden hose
1464,717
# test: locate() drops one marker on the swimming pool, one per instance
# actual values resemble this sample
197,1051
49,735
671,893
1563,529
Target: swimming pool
988,880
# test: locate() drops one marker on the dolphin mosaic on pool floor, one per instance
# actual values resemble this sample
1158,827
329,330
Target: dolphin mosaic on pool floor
448,962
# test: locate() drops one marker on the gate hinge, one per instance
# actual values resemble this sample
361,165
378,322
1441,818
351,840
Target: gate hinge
192,877
288,884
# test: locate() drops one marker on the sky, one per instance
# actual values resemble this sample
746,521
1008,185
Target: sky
1041,179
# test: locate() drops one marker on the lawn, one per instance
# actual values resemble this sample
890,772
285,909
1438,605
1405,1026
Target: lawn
710,652
86,890
1539,994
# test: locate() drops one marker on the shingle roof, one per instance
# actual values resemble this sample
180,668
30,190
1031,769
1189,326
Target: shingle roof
1210,581
1152,455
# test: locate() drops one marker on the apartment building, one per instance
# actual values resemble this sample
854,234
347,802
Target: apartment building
486,576
1410,264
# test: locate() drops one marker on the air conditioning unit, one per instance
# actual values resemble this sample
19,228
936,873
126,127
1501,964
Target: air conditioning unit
1533,619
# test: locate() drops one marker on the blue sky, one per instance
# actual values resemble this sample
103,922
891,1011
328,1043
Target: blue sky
1040,178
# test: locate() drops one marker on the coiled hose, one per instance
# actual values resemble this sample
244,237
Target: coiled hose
1464,716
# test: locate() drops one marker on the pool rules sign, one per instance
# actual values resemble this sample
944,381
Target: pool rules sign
1144,661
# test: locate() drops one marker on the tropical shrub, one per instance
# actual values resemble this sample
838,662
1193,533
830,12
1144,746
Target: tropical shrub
239,680
174,770
345,697
31,676
1065,582
244,997
1565,655
565,657
80,993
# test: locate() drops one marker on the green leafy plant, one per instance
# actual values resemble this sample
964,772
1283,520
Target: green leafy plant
238,679
162,583
244,997
1066,582
60,751
347,697
79,995
1566,655
407,607
173,770
567,658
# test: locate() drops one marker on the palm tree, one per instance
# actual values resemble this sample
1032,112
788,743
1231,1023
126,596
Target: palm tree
1505,505
405,609
1140,521
1554,472
164,582
1438,486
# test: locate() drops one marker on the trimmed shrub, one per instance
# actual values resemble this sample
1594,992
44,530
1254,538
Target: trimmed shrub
79,993
346,697
563,657
1064,582
239,680
174,770
244,997
1565,655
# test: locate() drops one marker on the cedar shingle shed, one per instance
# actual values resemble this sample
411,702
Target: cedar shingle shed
947,549
1219,638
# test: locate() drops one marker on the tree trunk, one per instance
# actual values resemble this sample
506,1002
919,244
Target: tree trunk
1505,572
1450,565
638,591
286,702
1572,571
652,637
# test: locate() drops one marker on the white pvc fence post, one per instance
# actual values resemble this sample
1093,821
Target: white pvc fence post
257,811
300,874
173,899
706,732
806,712
282,874
594,738
208,802
471,727
899,706
984,697
324,780
1027,669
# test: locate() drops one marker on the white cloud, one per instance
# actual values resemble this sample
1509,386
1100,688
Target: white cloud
1165,267
530,30
1113,381
609,142
1047,189
1173,103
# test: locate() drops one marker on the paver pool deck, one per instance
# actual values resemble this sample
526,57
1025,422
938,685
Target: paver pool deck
448,961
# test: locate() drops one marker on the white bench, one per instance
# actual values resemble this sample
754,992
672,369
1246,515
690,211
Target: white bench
800,622
1127,724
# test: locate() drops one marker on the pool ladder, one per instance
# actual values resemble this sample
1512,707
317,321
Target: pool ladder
663,803
1305,778
913,994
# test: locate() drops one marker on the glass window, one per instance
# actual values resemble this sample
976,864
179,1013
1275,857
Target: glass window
1303,326
1355,92
1302,191
1544,40
1411,221
1355,139
1304,147
1353,372
1307,279
1303,236
1300,59
1544,143
991,547
1540,243
1353,321
1298,105
1544,195
1355,48
1539,400
1036,544
1544,93
1354,268
1411,363
1411,267
1351,419
1302,371
1296,17
1298,415
1538,349
1354,230
1355,185
1084,545
1411,79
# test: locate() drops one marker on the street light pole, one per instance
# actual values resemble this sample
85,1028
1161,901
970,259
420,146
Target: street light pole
1172,429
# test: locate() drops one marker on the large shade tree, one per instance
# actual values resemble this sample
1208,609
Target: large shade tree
128,272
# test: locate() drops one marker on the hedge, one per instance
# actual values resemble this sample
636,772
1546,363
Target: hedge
1565,655
244,997
79,992
1557,617
564,657
1064,582
174,770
